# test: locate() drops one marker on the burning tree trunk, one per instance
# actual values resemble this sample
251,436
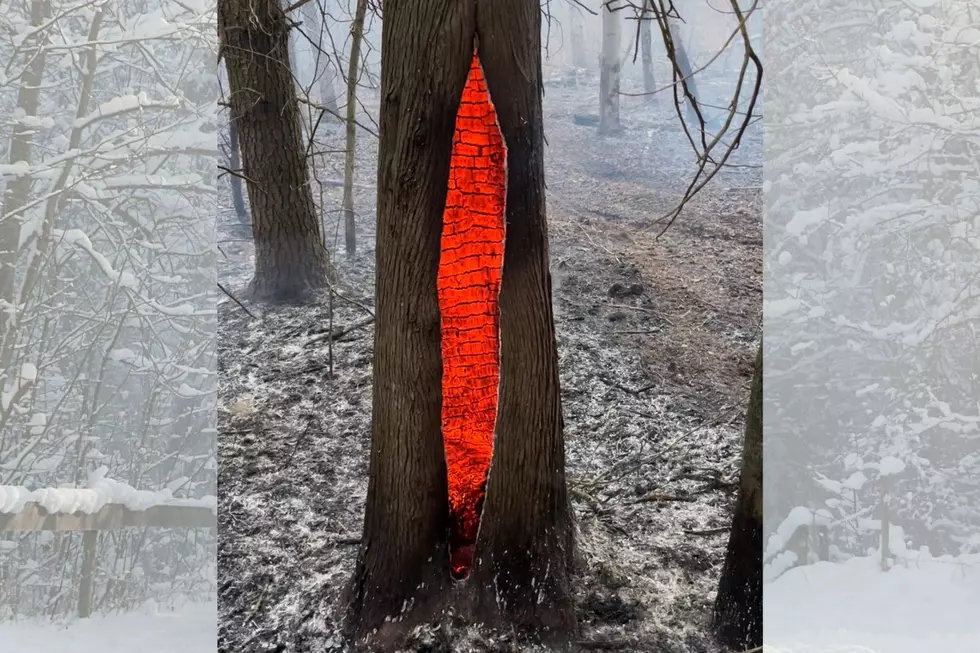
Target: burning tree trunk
291,262
357,33
646,53
612,30
466,367
738,606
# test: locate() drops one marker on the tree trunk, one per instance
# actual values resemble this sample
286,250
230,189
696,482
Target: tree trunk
347,205
235,163
18,189
580,59
326,72
738,606
523,552
524,547
291,263
683,71
612,31
646,53
403,561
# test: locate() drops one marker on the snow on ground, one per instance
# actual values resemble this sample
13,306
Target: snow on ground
927,605
190,629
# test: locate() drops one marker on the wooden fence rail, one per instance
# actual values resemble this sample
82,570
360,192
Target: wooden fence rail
33,517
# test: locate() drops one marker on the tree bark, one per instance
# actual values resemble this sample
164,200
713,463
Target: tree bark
347,204
612,30
402,575
291,262
235,162
524,546
738,605
646,53
520,576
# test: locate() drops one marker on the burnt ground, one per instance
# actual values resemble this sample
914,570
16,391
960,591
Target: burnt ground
656,340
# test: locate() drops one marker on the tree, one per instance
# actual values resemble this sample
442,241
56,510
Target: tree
646,53
612,33
291,262
522,555
347,204
738,605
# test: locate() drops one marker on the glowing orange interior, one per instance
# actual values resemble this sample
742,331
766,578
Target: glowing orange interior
469,283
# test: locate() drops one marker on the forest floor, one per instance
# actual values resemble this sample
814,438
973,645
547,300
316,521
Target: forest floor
656,339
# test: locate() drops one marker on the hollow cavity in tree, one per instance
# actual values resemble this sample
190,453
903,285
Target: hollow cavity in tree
469,285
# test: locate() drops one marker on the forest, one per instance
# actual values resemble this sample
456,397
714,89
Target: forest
484,378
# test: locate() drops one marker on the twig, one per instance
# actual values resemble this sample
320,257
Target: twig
235,299
650,497
338,333
710,531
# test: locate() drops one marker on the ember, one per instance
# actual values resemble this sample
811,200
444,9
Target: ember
469,283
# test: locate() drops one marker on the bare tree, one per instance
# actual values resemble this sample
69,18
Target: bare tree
347,205
646,52
291,262
612,32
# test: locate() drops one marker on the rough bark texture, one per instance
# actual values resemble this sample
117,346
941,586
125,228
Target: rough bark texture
356,34
612,34
402,569
291,263
235,163
21,149
646,53
524,547
738,606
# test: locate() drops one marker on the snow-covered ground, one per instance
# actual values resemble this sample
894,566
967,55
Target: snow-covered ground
190,629
924,605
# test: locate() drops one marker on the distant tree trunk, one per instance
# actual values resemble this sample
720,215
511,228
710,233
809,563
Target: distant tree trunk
684,72
291,263
612,30
18,189
326,71
580,59
347,205
646,53
738,606
235,162
520,576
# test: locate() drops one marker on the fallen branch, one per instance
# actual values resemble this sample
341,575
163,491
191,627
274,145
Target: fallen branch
710,531
235,299
657,497
339,333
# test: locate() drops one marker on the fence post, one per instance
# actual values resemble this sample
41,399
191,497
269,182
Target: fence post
885,530
85,588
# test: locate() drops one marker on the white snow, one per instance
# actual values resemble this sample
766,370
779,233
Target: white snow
192,628
891,466
100,491
922,604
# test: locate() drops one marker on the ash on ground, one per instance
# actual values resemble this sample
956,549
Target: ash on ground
656,339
